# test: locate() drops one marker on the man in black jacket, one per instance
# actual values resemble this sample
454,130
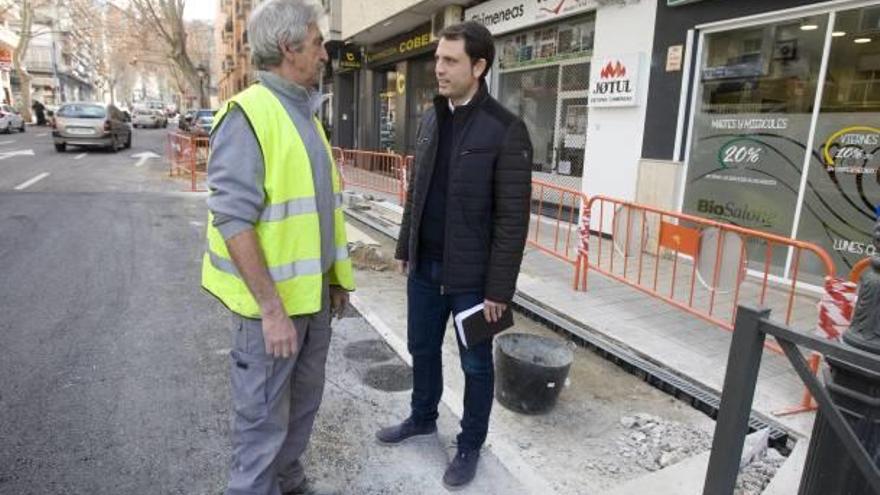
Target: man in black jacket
462,237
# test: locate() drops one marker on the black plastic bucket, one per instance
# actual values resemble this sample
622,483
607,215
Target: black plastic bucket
530,371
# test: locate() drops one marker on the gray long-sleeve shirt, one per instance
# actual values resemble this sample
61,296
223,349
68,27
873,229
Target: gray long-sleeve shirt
236,170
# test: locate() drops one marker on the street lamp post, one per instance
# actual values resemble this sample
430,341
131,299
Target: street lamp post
203,75
856,392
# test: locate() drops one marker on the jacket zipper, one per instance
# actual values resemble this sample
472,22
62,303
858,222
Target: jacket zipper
475,150
446,222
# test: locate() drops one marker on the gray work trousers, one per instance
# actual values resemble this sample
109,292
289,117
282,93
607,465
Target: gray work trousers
275,401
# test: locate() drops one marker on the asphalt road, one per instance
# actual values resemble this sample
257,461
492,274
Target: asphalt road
113,363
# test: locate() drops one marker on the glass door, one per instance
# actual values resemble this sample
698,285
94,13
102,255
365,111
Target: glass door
752,123
843,184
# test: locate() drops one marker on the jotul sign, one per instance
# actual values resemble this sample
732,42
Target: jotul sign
614,81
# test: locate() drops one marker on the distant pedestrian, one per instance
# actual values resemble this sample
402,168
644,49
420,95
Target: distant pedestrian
462,237
40,112
277,254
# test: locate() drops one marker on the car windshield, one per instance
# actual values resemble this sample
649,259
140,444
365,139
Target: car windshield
82,111
205,113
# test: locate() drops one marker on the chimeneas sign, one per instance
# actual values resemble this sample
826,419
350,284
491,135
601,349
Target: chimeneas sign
504,16
614,81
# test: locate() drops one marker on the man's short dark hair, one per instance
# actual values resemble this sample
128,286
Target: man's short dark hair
478,41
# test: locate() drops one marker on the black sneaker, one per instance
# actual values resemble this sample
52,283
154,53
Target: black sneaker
408,429
461,470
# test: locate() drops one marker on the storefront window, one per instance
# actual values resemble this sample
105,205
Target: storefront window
422,88
531,94
752,123
543,78
388,94
843,186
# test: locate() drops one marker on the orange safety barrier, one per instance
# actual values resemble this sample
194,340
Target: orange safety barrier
381,172
187,157
645,241
856,273
835,315
555,226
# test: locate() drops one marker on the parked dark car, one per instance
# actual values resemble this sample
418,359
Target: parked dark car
202,122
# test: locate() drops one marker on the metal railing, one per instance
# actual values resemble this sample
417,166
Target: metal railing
187,157
380,172
555,226
701,266
744,361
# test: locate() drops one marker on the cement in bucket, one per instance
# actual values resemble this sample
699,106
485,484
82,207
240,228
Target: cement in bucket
530,371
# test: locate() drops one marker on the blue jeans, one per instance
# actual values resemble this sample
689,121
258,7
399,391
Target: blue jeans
428,314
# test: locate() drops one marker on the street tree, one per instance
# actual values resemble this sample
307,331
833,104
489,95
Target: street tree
35,18
125,41
25,11
165,18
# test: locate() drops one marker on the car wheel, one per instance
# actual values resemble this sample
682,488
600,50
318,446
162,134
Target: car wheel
128,142
60,147
22,128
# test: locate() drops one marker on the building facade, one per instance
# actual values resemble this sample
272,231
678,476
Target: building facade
8,41
64,54
235,72
776,119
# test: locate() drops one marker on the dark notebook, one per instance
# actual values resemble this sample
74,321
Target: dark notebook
473,328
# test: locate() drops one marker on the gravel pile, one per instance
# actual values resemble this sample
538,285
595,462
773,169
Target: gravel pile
649,443
368,257
655,443
754,477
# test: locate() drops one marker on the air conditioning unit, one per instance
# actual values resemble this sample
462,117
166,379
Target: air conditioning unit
447,16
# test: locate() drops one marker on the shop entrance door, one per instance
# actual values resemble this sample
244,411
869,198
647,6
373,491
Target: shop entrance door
571,133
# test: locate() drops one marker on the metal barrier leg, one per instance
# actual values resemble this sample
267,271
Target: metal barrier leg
807,403
740,380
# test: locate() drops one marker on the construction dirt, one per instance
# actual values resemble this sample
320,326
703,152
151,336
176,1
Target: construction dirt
608,426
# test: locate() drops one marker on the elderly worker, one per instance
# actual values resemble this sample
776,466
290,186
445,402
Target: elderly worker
277,254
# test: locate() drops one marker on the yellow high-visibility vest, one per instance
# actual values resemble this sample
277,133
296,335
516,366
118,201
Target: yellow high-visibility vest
288,229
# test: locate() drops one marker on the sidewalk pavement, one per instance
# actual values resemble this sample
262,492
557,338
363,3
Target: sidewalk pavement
587,443
678,342
366,386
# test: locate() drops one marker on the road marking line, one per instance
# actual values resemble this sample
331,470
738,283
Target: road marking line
7,142
81,155
43,134
143,157
32,181
8,154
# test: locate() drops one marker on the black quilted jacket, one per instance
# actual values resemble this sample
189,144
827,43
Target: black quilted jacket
487,205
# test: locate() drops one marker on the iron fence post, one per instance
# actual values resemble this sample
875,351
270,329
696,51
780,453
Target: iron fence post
732,423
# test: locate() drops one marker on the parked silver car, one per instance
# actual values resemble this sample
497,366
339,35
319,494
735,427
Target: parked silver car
10,119
147,117
91,124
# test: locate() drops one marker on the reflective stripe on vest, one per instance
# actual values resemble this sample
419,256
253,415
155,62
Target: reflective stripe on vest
299,206
279,273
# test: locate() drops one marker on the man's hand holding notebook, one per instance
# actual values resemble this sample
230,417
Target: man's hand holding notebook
474,326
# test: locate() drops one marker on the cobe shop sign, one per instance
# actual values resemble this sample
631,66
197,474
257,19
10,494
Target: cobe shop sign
614,81
404,46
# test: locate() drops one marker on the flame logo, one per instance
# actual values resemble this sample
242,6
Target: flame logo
613,70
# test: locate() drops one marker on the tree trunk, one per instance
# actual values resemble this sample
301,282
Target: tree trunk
18,55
